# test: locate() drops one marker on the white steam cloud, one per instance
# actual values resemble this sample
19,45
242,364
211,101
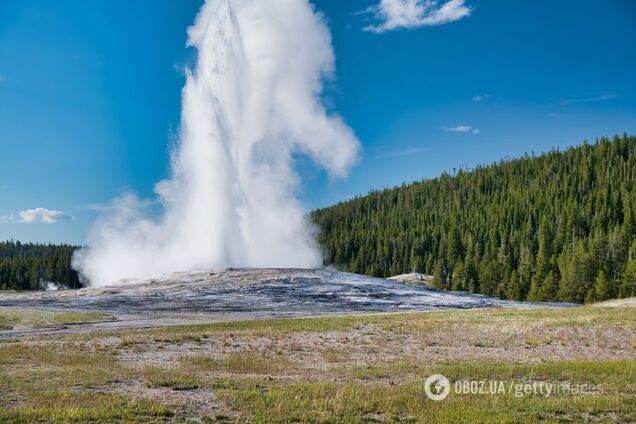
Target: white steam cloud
252,102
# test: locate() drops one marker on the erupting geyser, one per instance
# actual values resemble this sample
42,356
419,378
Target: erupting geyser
251,103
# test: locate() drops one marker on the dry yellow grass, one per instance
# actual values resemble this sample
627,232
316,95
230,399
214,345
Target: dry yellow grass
332,369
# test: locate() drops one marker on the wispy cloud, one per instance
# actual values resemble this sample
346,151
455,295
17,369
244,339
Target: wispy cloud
6,219
599,98
461,129
389,15
406,152
3,77
480,97
46,216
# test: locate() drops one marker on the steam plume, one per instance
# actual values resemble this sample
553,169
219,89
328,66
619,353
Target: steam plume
251,103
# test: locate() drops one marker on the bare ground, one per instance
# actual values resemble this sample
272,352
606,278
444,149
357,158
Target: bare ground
201,367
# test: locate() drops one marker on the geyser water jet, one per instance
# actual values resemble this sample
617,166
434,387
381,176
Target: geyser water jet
250,104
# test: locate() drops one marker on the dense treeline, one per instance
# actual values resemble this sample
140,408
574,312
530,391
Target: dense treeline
559,226
28,266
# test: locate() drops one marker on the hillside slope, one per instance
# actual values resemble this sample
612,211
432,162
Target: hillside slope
559,226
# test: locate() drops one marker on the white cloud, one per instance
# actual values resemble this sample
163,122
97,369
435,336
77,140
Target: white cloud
480,97
461,129
599,98
395,14
3,77
43,215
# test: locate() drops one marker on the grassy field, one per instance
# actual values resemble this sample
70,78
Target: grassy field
10,317
336,369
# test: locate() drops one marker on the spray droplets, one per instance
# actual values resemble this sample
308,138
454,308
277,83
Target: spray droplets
251,103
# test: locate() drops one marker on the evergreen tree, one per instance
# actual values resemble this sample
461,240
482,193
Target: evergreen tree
471,276
550,287
536,291
602,289
628,286
440,276
501,228
578,275
490,277
459,278
514,287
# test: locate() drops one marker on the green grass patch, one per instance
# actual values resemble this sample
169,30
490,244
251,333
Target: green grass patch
349,401
67,383
29,316
73,408
181,378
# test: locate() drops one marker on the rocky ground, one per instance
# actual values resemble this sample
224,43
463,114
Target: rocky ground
239,294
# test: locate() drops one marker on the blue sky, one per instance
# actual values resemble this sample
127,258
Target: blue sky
90,95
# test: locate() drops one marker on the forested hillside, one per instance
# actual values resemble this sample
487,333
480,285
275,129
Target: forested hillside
559,226
31,266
